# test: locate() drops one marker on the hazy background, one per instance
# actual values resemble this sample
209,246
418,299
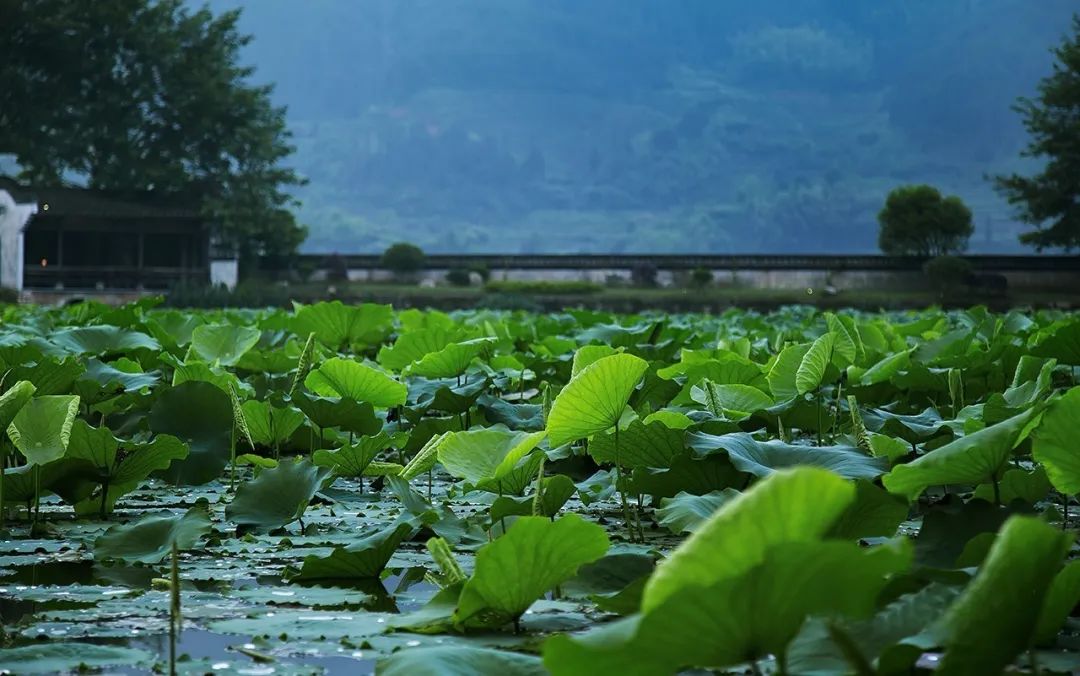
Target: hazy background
645,125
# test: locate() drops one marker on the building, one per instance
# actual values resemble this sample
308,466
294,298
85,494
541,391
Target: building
81,239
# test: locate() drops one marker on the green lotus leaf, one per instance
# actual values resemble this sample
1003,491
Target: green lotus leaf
102,340
222,344
476,455
730,402
271,425
94,455
444,395
748,616
452,360
124,372
362,560
41,429
1061,599
762,458
337,325
847,343
782,376
49,375
352,460
459,661
1054,442
12,401
640,445
874,513
971,459
593,400
350,379
345,414
686,511
884,370
71,657
814,364
150,539
986,629
795,505
587,354
200,415
412,346
882,638
276,497
554,493
533,556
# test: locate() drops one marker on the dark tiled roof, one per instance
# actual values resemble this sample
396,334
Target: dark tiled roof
68,201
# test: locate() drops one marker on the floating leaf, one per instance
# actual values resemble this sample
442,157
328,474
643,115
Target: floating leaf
150,539
762,458
276,497
363,560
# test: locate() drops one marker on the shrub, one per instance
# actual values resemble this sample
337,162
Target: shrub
918,221
947,274
483,271
459,277
643,274
8,296
701,277
542,287
403,259
336,268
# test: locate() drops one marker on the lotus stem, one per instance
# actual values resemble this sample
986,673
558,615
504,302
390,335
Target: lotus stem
232,457
175,620
618,487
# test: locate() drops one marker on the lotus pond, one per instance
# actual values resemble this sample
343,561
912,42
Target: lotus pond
350,489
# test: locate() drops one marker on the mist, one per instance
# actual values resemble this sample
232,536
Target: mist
624,126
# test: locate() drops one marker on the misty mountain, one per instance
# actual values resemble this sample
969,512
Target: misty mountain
644,126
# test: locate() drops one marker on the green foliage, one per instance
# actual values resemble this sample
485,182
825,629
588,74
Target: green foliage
918,221
947,274
532,557
1048,199
701,278
404,259
756,447
593,401
277,497
542,287
175,111
458,277
151,539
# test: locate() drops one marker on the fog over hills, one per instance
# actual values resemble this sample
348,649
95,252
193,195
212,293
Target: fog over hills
644,126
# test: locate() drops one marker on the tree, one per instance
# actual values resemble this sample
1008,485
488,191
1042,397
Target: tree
1050,200
133,95
918,221
403,259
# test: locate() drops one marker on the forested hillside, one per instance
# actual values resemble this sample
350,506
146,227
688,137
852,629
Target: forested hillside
635,125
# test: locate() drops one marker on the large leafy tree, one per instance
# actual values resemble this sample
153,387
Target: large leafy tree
1050,200
148,95
918,221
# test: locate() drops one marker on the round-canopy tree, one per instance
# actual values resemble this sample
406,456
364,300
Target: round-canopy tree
403,259
918,221
131,95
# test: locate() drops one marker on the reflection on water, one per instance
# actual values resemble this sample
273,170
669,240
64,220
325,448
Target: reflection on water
399,590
